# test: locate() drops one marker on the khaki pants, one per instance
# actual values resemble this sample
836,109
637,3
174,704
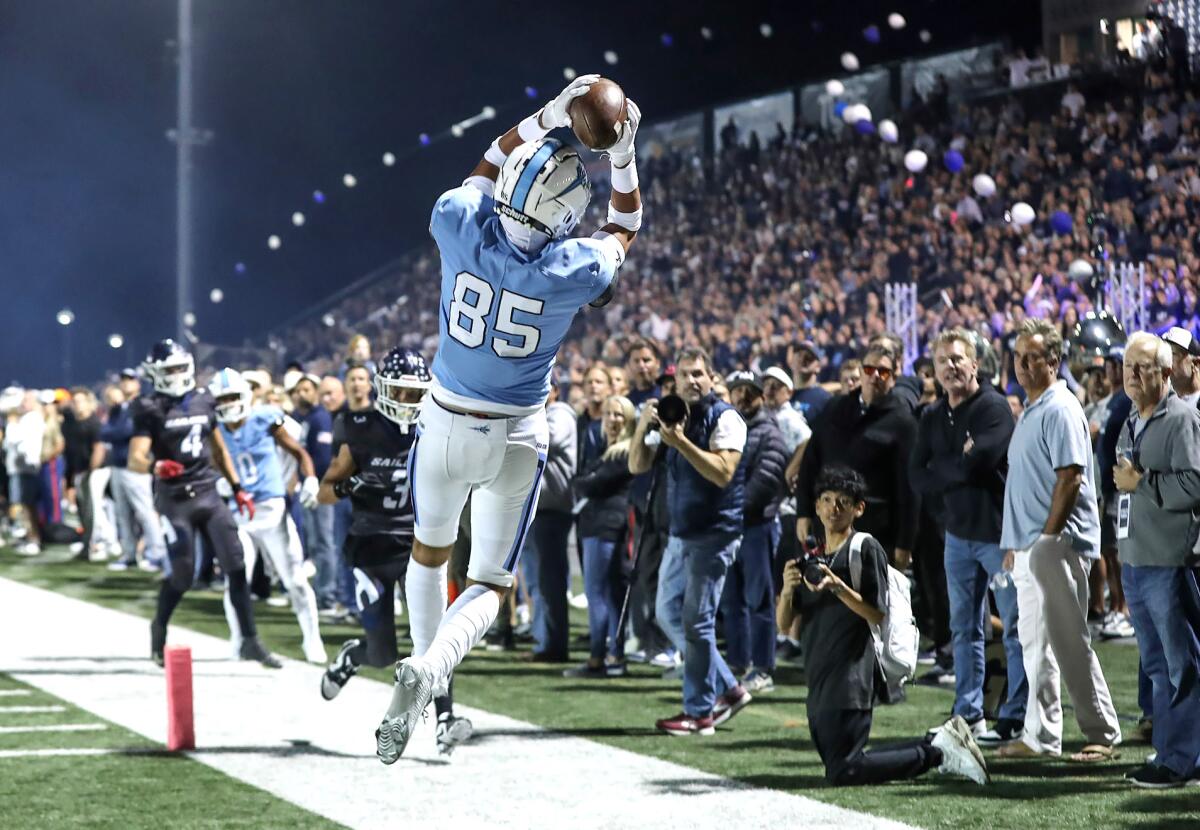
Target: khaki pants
1052,603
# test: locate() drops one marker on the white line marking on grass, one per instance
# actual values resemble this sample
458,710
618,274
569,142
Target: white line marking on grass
29,710
15,693
53,727
48,753
272,730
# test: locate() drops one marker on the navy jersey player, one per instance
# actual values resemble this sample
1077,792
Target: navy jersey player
255,435
371,468
513,279
177,427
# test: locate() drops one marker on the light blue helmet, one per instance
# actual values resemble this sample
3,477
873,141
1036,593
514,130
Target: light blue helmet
543,187
232,394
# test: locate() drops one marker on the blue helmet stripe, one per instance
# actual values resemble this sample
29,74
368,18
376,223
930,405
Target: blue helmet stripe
530,173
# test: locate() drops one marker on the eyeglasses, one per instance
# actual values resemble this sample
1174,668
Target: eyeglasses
871,371
840,502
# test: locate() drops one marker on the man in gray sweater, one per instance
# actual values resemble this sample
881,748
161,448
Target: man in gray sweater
1158,478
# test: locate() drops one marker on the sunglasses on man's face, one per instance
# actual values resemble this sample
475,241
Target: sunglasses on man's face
871,371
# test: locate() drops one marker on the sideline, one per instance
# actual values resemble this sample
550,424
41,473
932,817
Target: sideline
272,730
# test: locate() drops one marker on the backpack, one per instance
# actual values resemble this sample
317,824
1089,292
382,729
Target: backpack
896,638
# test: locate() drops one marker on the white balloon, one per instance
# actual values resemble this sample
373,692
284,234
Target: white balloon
216,295
297,219
888,131
765,30
984,184
850,113
273,242
834,88
863,113
610,57
897,21
189,319
915,161
1022,213
925,36
569,73
849,61
1081,270
349,180
389,159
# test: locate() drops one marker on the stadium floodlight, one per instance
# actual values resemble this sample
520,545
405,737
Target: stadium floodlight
115,341
389,159
189,319
273,242
349,180
569,73
297,219
610,57
65,317
216,295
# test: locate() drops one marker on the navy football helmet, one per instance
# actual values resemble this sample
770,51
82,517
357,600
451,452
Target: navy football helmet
170,368
400,384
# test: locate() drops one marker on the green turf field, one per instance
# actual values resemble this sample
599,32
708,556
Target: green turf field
766,745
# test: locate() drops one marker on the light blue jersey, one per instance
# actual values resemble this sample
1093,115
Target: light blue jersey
504,313
253,450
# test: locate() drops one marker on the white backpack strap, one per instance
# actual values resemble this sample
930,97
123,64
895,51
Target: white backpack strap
856,543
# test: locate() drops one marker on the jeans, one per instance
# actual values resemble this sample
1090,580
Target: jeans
1163,605
135,503
548,537
318,534
605,589
748,601
970,566
689,589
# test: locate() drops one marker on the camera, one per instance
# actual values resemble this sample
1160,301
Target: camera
810,560
672,410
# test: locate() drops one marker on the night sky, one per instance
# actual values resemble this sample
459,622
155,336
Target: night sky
298,93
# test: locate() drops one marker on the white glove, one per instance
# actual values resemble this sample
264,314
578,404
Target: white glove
621,153
308,493
555,114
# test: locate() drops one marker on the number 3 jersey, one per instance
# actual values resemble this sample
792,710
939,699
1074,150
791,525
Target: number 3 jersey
380,453
179,430
252,446
503,312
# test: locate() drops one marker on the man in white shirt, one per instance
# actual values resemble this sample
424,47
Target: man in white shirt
1185,365
23,459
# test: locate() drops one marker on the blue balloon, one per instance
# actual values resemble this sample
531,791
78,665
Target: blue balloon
839,108
424,139
865,127
871,33
1060,221
953,161
530,92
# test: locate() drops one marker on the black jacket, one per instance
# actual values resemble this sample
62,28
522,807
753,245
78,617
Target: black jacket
765,459
876,443
605,484
972,484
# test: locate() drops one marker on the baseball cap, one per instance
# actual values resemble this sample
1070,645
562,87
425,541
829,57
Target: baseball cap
781,376
735,379
45,396
667,372
1183,339
257,377
808,346
291,380
129,373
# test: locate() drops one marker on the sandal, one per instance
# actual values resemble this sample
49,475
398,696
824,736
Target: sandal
1019,749
1095,754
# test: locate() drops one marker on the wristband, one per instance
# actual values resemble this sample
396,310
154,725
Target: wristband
494,154
630,221
531,128
237,487
625,179
342,488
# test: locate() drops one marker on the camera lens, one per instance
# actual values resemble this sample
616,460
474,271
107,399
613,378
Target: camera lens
813,573
672,410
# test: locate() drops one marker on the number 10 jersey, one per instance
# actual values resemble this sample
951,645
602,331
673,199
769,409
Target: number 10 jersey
179,430
504,313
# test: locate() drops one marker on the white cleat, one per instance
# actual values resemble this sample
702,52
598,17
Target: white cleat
960,754
410,699
451,732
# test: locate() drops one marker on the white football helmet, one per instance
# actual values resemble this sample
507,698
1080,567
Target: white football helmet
543,187
171,368
233,396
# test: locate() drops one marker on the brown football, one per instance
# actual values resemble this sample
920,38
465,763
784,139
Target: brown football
595,116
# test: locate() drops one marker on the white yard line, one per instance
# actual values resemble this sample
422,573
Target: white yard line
50,753
15,693
54,727
30,710
273,730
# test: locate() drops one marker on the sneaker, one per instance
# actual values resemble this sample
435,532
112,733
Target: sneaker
253,649
668,659
684,724
937,676
585,672
1005,732
1155,777
97,553
451,732
730,703
758,681
960,753
149,566
503,640
410,699
76,547
615,670
334,613
978,728
158,643
927,657
790,652
28,549
578,601
1118,628
340,671
277,601
636,656
314,651
120,565
1144,729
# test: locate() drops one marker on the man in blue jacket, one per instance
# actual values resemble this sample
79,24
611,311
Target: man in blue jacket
706,494
316,435
132,494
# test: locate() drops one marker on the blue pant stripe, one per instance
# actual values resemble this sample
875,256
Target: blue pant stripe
526,517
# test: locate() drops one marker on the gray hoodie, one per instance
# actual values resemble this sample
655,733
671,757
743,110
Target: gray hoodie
1161,520
560,460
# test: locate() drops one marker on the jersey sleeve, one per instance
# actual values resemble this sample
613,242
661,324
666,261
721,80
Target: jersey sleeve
729,434
457,210
145,419
271,416
593,262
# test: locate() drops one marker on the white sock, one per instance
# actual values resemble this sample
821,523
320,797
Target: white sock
425,588
464,625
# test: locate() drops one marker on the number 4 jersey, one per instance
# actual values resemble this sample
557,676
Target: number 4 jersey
179,430
503,312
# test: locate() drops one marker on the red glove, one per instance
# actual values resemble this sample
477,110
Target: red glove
168,469
245,502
